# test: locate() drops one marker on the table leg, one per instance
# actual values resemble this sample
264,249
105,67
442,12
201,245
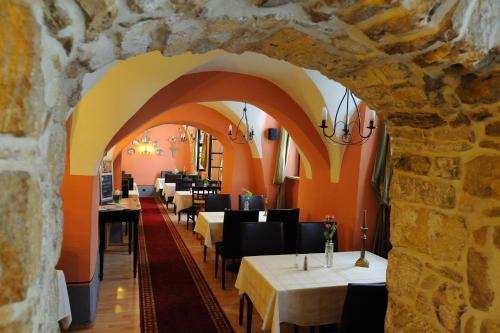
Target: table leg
249,314
136,241
204,253
102,240
129,227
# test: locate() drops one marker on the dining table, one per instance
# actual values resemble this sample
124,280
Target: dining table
159,183
281,290
168,190
209,226
182,200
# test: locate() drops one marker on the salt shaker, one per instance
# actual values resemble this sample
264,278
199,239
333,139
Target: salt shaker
305,263
296,261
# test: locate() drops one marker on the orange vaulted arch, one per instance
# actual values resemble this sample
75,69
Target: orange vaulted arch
240,169
225,86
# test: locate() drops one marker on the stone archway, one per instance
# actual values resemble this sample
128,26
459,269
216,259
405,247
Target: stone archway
430,69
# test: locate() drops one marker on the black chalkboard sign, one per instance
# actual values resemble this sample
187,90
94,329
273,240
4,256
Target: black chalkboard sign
106,187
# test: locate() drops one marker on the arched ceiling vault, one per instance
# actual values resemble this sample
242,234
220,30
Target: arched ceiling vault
127,85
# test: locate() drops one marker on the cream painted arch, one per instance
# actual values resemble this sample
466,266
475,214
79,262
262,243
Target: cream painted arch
128,84
226,109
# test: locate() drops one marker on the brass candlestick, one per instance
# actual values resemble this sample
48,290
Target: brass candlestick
362,262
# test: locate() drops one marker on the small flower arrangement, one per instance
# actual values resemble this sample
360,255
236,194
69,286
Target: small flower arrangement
247,193
175,171
206,182
330,227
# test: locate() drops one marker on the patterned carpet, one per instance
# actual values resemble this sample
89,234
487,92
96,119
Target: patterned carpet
174,295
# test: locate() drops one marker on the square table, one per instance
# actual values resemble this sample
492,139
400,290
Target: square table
282,293
168,190
209,225
128,210
159,182
182,200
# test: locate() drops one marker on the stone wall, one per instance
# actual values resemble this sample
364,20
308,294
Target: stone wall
430,68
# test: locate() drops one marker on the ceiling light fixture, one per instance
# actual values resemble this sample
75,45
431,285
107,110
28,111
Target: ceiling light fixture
348,125
145,146
238,136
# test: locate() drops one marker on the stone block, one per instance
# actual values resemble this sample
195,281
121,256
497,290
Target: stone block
403,274
99,15
412,163
493,129
449,305
481,295
480,236
17,36
482,177
402,318
496,237
430,232
424,120
419,190
447,167
490,326
20,235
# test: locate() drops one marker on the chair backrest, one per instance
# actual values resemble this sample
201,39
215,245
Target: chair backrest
217,202
181,185
256,202
368,299
163,173
231,230
310,238
260,239
171,178
290,219
199,195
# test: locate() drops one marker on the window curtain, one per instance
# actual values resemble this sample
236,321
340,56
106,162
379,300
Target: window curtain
279,174
381,180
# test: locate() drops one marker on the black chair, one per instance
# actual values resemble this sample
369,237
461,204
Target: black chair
171,178
229,248
199,194
259,239
290,219
310,238
368,299
217,202
256,202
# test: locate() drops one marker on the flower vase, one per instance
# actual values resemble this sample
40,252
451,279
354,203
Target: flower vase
246,204
329,253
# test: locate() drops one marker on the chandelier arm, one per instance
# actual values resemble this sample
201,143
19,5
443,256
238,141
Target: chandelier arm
359,122
334,125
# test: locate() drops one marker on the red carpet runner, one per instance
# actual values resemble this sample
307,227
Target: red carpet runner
174,295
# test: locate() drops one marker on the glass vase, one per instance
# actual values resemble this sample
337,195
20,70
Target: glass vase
246,204
329,253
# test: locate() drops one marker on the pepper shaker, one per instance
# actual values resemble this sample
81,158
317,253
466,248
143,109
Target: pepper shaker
305,263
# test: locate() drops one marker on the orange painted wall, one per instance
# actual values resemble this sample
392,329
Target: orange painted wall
117,172
146,168
80,207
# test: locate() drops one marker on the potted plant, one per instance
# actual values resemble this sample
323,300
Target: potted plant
248,195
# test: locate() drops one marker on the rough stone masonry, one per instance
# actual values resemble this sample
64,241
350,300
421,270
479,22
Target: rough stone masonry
429,68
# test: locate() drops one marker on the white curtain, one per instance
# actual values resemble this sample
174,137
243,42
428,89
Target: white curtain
279,174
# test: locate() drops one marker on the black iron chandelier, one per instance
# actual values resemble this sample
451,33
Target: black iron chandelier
183,137
238,136
349,126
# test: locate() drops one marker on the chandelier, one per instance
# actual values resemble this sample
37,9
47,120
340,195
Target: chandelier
240,137
348,125
145,146
183,137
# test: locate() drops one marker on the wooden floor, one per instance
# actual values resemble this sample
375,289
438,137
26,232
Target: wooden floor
118,307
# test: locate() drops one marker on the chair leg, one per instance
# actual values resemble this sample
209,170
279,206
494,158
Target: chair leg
242,306
223,273
204,253
249,315
216,261
295,329
311,330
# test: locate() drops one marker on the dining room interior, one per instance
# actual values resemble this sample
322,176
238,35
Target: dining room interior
141,143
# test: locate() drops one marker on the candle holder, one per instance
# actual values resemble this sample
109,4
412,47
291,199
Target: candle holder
362,262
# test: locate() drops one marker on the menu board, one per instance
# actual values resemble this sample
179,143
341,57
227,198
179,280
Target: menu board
106,187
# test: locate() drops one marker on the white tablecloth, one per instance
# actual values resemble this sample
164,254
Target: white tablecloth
64,312
159,182
182,200
282,293
209,225
168,190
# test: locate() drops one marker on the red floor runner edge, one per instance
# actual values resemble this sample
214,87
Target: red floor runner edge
173,293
